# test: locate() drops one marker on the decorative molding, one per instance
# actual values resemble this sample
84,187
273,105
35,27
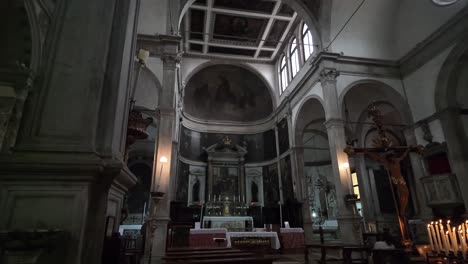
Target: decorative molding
328,75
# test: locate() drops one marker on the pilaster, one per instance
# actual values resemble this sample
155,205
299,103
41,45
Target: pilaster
348,219
166,137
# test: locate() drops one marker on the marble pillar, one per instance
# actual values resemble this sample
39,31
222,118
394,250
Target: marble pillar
160,208
348,218
67,160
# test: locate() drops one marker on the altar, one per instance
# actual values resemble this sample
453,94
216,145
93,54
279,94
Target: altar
231,223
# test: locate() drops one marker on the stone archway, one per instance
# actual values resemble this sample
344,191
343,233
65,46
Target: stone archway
451,99
309,123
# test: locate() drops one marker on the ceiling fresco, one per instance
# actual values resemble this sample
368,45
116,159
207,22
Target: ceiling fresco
249,29
227,93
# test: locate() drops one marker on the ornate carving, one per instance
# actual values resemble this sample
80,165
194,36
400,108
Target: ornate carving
172,58
328,75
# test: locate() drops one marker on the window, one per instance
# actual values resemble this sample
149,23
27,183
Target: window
354,179
283,74
293,51
307,42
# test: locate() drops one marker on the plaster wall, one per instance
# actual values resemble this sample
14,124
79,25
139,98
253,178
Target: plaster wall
418,19
153,17
147,90
369,33
421,85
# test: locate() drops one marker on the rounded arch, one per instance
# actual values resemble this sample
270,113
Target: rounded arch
246,66
148,90
300,125
384,91
303,11
446,86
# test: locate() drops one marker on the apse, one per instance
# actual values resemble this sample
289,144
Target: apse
227,93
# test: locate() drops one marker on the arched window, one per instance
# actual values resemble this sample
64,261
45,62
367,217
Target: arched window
294,55
307,42
283,74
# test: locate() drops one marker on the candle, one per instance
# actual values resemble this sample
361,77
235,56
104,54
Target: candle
446,243
438,236
429,234
433,234
454,240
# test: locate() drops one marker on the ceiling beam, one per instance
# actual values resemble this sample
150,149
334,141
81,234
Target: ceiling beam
267,29
239,12
208,14
283,37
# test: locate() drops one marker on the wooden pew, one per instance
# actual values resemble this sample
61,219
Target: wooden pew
208,256
204,252
238,260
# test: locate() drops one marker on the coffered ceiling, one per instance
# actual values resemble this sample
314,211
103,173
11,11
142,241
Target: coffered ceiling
249,29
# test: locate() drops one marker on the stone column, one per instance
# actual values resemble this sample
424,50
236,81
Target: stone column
348,219
423,211
365,189
160,209
457,149
69,149
297,157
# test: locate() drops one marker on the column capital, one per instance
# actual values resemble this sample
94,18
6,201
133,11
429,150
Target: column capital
328,75
171,59
335,122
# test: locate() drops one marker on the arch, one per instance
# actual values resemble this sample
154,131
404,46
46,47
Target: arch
246,66
152,88
446,87
298,6
298,130
392,94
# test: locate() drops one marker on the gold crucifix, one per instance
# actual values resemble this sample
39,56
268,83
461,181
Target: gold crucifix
390,157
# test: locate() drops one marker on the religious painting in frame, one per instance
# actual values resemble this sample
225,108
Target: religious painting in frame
225,181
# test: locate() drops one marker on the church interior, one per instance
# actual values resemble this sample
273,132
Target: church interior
235,131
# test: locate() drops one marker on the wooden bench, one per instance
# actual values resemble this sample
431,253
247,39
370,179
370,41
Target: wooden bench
208,256
238,260
204,252
196,249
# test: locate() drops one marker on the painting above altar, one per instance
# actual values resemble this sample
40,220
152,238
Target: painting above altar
225,181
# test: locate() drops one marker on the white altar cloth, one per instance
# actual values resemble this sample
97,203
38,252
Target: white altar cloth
291,230
230,222
209,231
275,243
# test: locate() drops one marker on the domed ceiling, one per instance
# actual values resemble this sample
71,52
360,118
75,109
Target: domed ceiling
227,93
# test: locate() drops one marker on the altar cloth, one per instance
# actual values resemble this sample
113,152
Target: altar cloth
205,238
292,237
275,243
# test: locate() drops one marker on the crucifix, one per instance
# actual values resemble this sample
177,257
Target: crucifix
390,156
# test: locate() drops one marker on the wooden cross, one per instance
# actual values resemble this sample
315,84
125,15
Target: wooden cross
390,156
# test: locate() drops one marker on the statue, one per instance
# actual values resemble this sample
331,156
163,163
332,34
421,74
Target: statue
392,163
254,191
196,191
390,157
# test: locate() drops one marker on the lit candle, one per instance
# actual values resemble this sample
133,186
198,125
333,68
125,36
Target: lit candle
429,234
431,226
446,243
454,240
438,236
